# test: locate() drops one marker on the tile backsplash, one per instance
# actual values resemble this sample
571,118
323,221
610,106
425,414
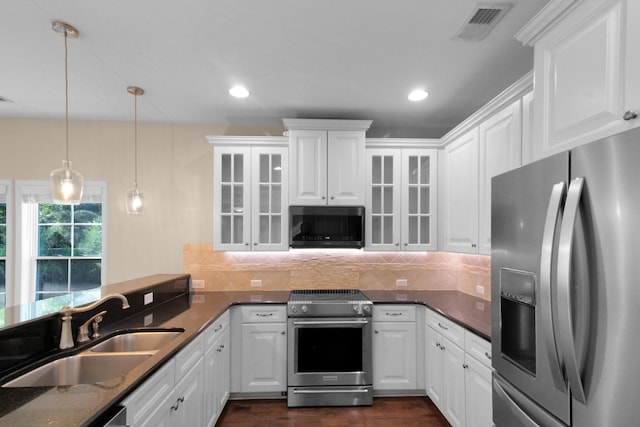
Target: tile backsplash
324,269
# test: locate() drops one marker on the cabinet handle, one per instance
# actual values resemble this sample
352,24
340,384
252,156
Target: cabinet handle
255,244
441,347
465,366
442,326
177,405
438,344
487,355
246,244
282,332
323,197
393,314
630,115
376,331
473,245
397,244
264,314
217,328
332,197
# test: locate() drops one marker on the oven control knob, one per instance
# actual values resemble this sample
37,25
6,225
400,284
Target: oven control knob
305,308
367,309
356,308
294,308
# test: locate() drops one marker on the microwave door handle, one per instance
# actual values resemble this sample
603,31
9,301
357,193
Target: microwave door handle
565,250
549,318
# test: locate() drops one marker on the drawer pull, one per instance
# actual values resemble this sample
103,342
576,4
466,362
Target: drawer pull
217,328
465,366
264,314
487,355
442,326
393,314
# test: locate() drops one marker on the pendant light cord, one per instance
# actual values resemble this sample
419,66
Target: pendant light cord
66,95
135,141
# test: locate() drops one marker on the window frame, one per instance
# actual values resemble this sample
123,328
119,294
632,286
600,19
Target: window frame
6,193
26,226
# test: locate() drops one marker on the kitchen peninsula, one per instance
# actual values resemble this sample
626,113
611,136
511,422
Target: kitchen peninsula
86,404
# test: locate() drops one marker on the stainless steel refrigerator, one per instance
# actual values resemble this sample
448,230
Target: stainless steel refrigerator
565,280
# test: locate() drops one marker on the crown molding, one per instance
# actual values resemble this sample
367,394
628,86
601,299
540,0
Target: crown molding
546,18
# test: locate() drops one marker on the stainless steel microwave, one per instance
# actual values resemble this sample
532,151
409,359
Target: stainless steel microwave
326,226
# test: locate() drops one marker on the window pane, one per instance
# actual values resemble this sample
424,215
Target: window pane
413,200
388,229
425,238
413,230
424,200
376,170
54,240
263,234
51,275
85,274
87,240
54,214
3,276
3,213
264,168
225,229
88,213
264,199
238,224
276,198
3,240
424,170
276,165
225,199
376,200
376,230
225,173
388,200
238,202
276,229
413,170
388,169
238,168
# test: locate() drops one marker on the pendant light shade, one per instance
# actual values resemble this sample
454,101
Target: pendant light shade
66,184
135,198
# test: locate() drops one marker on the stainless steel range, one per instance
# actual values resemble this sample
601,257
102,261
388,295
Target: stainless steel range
329,348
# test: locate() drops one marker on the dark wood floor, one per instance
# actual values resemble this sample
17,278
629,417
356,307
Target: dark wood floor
385,412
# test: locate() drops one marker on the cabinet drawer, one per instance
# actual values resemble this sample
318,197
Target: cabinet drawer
450,330
216,329
189,357
478,348
146,399
263,313
394,313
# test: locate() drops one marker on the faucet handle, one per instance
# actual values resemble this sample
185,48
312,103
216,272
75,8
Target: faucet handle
83,330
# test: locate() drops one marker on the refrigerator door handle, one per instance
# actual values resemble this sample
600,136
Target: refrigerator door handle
522,416
565,249
549,318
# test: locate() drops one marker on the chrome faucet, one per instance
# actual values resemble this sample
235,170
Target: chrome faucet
83,331
66,337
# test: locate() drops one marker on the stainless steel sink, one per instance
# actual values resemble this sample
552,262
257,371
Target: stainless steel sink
83,368
136,341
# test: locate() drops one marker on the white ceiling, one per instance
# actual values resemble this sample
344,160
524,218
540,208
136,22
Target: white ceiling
353,59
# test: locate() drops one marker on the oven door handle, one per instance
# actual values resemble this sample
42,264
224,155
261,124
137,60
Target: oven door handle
296,391
330,322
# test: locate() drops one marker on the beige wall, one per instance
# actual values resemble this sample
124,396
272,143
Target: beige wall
175,171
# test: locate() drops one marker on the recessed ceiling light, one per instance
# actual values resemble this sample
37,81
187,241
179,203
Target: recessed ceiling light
239,91
418,95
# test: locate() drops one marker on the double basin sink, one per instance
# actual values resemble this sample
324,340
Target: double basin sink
105,360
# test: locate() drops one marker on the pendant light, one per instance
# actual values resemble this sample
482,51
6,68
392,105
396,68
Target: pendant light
66,184
135,198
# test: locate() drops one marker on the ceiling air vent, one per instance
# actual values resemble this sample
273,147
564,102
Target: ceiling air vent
481,21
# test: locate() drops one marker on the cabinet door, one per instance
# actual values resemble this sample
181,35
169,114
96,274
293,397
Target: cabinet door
223,371
210,386
434,376
453,374
500,151
308,150
231,207
478,394
419,195
586,70
460,161
394,355
346,168
150,403
264,357
382,227
270,217
187,408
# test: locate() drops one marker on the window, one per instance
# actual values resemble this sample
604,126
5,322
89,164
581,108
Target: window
60,248
69,248
3,244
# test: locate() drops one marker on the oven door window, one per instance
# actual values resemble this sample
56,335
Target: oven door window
329,349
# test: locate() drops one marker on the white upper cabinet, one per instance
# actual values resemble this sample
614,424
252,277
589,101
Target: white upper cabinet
327,161
401,199
586,67
500,151
250,194
460,207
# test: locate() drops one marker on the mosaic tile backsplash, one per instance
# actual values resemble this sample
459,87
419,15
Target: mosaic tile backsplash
333,269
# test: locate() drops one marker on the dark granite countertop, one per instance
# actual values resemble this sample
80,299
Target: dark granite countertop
83,405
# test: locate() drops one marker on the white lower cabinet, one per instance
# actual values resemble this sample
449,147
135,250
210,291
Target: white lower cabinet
216,369
458,382
162,402
260,343
394,347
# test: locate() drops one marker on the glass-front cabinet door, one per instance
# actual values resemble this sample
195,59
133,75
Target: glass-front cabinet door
231,207
419,196
269,199
401,199
382,227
